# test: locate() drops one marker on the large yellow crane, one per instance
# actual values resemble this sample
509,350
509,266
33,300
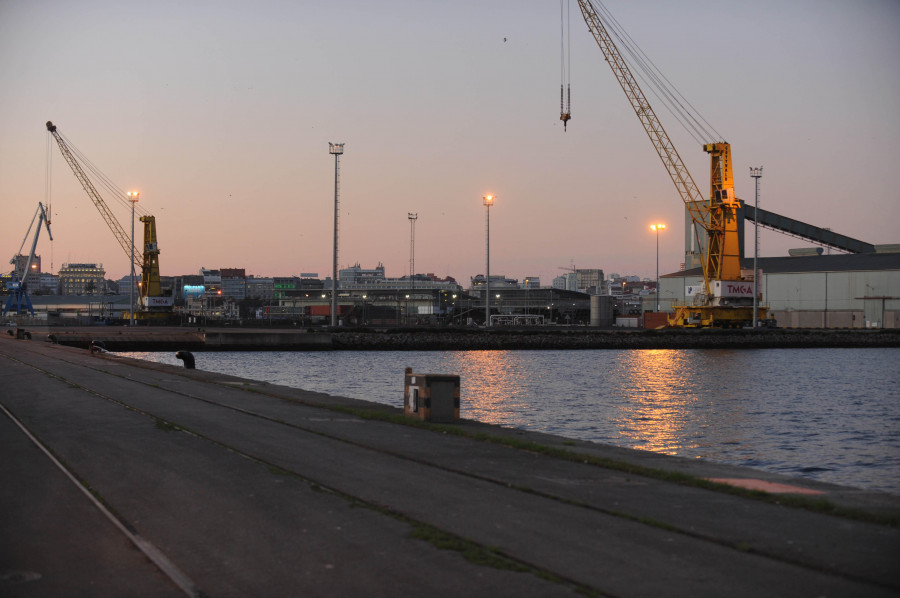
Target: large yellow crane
153,302
725,299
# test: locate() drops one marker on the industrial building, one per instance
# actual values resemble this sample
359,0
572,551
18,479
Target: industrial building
859,290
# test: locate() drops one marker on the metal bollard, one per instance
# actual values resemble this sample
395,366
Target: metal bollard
187,357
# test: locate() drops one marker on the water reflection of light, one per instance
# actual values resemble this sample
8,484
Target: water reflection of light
492,385
657,400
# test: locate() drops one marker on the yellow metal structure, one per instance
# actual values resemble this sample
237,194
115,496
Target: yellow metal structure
154,302
722,301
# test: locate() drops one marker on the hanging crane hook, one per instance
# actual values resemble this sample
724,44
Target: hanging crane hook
565,86
565,113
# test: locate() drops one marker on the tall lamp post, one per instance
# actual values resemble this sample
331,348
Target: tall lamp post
756,173
133,198
488,202
336,149
656,228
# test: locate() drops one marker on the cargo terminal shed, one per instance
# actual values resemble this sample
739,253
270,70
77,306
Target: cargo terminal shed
860,290
856,288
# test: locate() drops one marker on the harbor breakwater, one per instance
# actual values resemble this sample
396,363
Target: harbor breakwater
426,339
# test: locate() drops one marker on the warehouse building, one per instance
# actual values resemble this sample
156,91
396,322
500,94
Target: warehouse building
816,291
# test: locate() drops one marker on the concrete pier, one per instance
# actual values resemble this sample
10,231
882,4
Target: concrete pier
125,478
153,338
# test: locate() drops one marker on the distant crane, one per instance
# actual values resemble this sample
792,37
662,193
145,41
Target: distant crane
569,268
152,300
19,288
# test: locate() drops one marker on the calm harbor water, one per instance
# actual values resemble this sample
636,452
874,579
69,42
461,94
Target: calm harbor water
828,414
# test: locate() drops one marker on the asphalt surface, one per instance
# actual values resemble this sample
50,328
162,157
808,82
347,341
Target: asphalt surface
124,478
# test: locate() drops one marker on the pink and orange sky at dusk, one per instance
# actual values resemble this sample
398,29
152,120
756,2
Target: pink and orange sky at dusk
220,114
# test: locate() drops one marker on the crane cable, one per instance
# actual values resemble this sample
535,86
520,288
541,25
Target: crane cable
673,100
99,177
565,66
48,193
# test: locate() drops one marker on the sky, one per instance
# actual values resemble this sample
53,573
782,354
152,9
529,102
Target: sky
220,114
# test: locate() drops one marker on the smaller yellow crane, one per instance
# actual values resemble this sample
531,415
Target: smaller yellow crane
153,302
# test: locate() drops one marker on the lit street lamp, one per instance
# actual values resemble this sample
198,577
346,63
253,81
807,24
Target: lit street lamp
656,228
133,198
488,202
337,150
756,173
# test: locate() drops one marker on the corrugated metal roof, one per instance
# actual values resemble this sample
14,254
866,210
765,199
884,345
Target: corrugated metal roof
815,263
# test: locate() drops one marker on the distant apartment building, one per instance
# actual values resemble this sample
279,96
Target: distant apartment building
589,280
564,282
126,285
583,280
293,286
498,281
531,282
19,262
260,288
234,283
48,284
212,280
284,286
357,276
82,279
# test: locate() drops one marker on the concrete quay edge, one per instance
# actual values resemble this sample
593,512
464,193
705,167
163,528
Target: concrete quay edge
153,338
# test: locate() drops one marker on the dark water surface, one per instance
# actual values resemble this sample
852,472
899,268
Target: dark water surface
828,414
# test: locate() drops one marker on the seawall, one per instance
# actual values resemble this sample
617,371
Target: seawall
425,339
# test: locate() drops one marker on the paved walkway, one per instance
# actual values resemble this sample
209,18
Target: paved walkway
122,478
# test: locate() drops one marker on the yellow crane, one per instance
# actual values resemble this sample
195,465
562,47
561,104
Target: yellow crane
153,302
726,299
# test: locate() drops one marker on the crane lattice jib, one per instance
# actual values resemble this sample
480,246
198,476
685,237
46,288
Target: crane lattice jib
697,207
121,236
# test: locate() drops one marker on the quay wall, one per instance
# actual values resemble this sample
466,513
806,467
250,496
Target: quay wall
625,339
423,339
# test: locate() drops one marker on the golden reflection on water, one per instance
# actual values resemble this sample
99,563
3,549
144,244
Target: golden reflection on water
492,382
658,399
672,401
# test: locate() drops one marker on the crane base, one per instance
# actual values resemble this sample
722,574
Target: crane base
704,316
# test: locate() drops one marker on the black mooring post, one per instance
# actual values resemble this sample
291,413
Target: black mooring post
187,357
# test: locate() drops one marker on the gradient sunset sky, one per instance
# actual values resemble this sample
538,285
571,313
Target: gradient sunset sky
220,114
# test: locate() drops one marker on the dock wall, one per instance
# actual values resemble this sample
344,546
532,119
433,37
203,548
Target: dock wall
164,339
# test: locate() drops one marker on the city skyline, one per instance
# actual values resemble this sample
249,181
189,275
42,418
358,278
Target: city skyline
221,115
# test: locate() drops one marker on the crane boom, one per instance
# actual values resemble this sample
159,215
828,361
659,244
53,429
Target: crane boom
121,235
717,214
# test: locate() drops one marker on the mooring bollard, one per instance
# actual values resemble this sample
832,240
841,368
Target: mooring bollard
187,357
98,347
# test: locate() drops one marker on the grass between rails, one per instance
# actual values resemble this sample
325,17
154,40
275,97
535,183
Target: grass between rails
817,505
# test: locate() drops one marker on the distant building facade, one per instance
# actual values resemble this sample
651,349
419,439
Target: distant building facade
260,288
82,279
19,263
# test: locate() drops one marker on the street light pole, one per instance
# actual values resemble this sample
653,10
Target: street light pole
488,202
657,228
756,173
133,198
336,149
